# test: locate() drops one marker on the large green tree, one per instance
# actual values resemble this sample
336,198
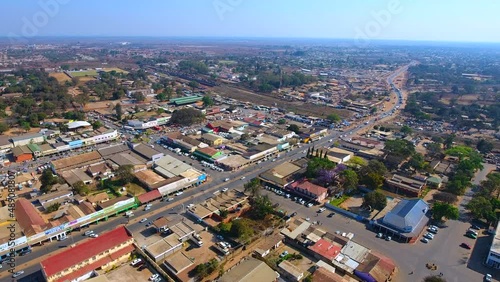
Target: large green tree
316,164
125,173
253,187
349,179
47,180
242,229
484,146
187,117
375,200
207,101
442,210
261,207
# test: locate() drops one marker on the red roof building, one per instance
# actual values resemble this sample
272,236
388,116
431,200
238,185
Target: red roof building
149,196
82,260
28,218
325,249
309,190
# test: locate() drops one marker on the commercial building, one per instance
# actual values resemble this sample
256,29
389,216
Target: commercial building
409,186
208,154
146,152
145,124
212,139
405,221
26,139
77,161
309,190
83,260
186,100
250,270
493,259
22,153
179,175
282,174
339,156
232,201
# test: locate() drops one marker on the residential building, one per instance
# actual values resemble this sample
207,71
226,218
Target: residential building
268,244
83,260
250,270
292,272
309,190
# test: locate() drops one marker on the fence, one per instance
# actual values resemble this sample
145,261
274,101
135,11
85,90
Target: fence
345,213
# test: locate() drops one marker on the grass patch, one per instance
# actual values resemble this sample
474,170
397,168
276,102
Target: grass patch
115,69
338,201
135,189
83,73
424,193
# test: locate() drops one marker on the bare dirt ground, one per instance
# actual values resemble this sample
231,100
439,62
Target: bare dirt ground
268,100
60,76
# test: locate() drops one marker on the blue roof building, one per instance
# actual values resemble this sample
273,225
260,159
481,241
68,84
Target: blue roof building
406,220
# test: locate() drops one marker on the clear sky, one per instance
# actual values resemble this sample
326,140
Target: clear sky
443,20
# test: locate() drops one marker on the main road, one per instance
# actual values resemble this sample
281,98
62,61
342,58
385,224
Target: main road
30,262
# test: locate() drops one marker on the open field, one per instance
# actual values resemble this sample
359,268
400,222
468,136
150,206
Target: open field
83,73
227,62
115,69
268,100
60,76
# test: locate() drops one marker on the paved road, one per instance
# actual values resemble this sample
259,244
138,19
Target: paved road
30,262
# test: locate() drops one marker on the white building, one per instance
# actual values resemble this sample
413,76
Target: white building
493,259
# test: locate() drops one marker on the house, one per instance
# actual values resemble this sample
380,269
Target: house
22,153
212,139
292,272
268,244
97,199
250,270
309,190
405,221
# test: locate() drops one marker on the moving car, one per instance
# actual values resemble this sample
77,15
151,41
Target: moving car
143,220
17,274
465,246
88,232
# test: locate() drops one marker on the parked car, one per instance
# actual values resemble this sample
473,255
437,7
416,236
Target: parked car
283,254
471,235
321,210
465,246
309,205
424,240
380,235
475,227
388,238
93,235
331,214
488,277
225,189
154,276
179,193
429,236
135,262
432,230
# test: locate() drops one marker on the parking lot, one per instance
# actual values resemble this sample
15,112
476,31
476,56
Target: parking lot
128,273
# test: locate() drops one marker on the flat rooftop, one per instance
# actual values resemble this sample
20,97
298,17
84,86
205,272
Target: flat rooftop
178,262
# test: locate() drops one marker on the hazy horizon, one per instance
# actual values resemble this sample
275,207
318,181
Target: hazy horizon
458,21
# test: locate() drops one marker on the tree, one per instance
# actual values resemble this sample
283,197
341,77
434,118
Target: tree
373,180
469,88
47,180
406,130
96,124
81,188
440,210
207,268
334,118
3,127
82,99
162,97
373,166
193,84
454,89
207,101
349,179
484,146
281,121
482,208
242,229
244,137
375,200
356,162
434,150
53,207
445,197
373,110
399,148
449,140
253,187
316,164
26,126
187,116
118,111
223,213
417,161
125,173
434,278
138,96
295,128
261,207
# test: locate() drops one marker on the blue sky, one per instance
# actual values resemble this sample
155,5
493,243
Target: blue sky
445,20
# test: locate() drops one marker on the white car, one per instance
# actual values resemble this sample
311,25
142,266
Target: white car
135,261
225,189
322,210
143,220
179,193
226,180
243,177
154,276
93,235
